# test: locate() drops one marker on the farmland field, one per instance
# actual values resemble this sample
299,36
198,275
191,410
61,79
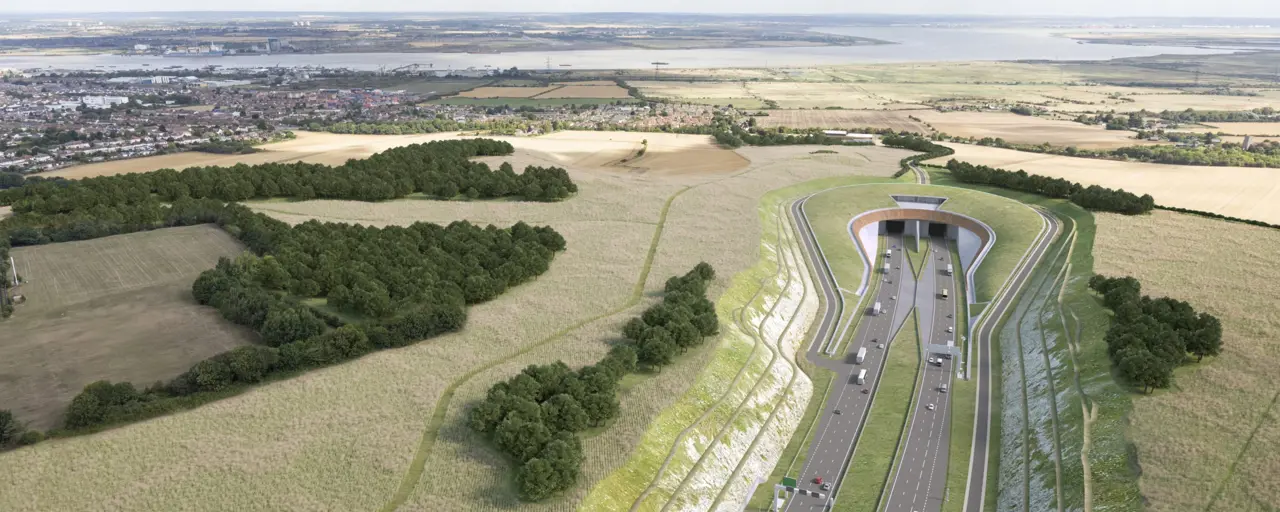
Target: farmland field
1026,129
584,149
387,428
116,308
505,92
1271,129
843,119
1245,192
607,90
1212,442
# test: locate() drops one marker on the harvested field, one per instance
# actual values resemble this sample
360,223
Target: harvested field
844,119
344,437
1159,102
1213,442
1245,192
1255,129
718,93
611,90
116,308
810,95
1026,129
594,150
5,211
505,92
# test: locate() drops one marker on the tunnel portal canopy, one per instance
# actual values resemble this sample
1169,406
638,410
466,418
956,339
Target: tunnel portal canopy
917,214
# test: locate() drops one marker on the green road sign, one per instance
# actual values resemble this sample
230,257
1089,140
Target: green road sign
788,481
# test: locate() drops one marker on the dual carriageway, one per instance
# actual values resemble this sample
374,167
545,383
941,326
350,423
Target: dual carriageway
918,480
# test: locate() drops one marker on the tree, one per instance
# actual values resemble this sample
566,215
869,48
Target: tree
289,325
10,429
537,480
1206,340
1143,368
563,412
600,407
522,439
251,363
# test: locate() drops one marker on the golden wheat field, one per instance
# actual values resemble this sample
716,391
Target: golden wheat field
1026,129
505,92
1212,442
843,119
343,438
1271,129
587,90
1245,192
676,152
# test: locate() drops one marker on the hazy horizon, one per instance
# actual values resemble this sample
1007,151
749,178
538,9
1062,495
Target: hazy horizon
1242,9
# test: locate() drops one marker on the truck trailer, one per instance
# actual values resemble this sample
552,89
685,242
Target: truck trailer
862,355
875,310
886,267
862,377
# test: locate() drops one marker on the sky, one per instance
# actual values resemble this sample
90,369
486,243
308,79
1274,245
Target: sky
1110,8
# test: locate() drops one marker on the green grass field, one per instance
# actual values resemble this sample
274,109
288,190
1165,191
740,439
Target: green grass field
1015,224
877,446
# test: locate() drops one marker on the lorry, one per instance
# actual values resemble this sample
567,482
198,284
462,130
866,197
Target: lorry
886,267
862,355
862,377
944,293
949,269
875,310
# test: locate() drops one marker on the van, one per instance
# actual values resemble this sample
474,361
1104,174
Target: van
944,293
943,388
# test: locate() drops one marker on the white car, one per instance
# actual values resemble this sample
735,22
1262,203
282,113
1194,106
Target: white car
949,329
929,407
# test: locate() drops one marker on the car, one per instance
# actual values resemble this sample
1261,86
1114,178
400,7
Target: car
949,329
817,480
837,411
949,315
882,346
930,360
929,407
826,487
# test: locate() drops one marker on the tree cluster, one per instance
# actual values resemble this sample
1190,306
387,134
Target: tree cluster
1149,337
402,284
729,134
1262,154
441,169
1263,114
1093,197
915,143
6,308
534,416
13,433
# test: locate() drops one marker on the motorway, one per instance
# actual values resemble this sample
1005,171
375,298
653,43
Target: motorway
975,491
842,415
920,482
921,479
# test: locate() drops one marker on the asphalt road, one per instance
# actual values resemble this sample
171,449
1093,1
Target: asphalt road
920,482
976,489
833,443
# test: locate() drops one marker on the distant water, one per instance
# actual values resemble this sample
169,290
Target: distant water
914,45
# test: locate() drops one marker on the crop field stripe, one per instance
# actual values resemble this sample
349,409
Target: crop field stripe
1231,470
1073,347
758,341
432,430
795,373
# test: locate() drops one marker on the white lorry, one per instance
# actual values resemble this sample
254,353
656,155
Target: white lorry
949,269
862,377
875,310
862,355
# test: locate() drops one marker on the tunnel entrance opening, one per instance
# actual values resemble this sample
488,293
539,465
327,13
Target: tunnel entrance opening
937,229
895,227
